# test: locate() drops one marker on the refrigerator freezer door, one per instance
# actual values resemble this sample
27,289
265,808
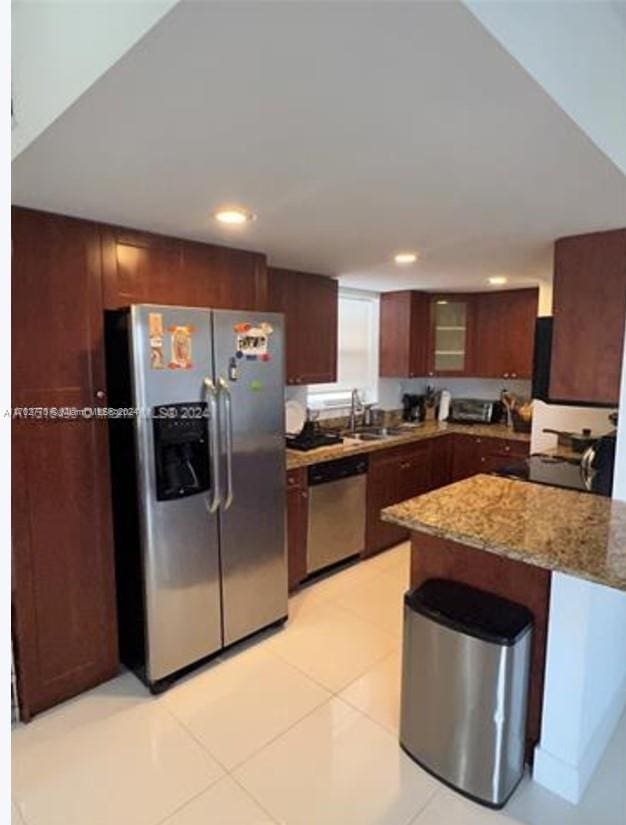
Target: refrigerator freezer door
249,372
173,365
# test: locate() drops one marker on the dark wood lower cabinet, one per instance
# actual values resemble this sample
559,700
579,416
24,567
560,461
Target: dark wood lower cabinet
395,474
297,523
64,616
441,461
464,457
384,487
475,454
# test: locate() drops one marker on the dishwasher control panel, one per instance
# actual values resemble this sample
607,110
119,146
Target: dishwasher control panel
335,470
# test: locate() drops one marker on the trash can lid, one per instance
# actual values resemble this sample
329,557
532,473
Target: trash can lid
470,611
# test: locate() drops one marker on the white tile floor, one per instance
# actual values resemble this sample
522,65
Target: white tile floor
300,727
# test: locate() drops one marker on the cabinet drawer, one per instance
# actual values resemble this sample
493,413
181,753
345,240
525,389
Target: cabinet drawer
504,447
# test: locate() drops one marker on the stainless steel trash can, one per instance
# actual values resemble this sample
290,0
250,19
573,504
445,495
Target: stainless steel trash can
465,671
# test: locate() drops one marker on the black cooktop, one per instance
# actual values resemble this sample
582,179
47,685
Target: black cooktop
551,470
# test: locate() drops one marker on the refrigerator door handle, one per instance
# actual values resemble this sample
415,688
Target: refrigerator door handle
228,409
213,502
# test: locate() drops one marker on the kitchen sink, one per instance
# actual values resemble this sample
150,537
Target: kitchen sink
375,433
369,436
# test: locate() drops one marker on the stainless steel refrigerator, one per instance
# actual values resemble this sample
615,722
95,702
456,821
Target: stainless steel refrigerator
198,481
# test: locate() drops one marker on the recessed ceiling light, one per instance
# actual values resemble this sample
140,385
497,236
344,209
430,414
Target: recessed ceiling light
405,258
233,215
496,280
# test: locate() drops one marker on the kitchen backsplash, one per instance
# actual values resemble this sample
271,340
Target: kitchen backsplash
487,388
391,390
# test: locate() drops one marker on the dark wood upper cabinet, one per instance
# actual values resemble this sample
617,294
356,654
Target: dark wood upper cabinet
505,326
310,305
404,322
589,308
425,335
484,335
140,267
64,627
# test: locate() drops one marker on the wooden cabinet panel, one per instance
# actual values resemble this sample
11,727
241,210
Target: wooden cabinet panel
519,334
495,454
297,521
385,486
441,461
404,324
589,308
483,334
64,627
464,457
505,326
224,278
144,268
395,474
491,359
310,305
474,454
140,267
416,470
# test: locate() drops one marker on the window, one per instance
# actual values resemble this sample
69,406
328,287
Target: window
357,352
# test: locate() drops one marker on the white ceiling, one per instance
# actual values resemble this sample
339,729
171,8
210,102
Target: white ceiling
353,129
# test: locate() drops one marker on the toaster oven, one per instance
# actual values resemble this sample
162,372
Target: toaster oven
473,411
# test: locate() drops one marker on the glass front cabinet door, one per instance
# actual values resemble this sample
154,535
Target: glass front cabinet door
450,336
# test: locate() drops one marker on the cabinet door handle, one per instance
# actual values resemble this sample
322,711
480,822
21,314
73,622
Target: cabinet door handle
101,395
513,375
506,375
304,494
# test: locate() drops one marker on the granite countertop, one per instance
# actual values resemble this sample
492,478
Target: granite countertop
429,429
563,530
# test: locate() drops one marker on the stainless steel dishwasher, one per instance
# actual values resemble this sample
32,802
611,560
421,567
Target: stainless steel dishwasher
336,528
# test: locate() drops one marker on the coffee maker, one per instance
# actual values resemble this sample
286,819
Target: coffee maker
413,408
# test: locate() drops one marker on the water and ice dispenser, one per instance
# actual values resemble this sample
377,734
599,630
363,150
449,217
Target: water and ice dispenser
181,450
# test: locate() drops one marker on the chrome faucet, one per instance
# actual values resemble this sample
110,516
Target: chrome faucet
356,406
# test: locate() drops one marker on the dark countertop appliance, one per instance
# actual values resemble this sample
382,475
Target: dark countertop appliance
413,407
475,411
593,474
312,437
